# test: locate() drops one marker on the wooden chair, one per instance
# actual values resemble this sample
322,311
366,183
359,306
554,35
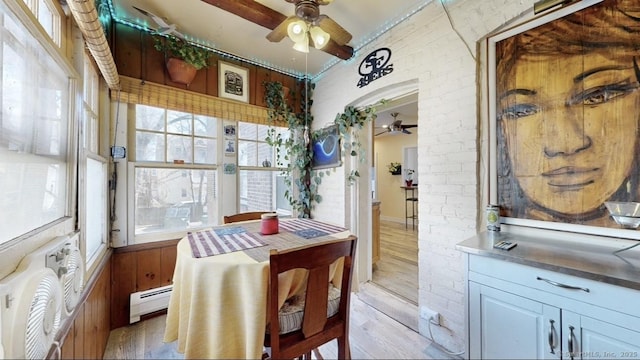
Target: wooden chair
317,326
252,215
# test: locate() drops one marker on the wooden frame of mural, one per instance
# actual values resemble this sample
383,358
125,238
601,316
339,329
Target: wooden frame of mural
564,108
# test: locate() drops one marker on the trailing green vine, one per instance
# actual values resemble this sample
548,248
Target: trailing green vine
294,152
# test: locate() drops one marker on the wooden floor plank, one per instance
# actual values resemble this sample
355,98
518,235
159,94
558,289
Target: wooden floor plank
397,269
373,335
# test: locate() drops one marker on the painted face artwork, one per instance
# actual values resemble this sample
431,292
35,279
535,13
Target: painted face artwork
570,128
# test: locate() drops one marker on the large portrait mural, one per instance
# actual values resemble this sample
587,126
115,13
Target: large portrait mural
566,114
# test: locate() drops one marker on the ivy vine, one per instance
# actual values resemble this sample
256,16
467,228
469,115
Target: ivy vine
294,151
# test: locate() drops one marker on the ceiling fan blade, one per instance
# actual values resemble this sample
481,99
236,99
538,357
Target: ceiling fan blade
337,32
405,131
266,17
280,32
409,126
380,133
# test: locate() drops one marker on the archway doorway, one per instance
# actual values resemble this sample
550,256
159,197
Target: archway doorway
391,284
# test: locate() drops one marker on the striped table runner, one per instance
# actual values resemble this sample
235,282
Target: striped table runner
221,241
308,228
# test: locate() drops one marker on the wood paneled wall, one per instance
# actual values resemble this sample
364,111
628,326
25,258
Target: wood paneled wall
136,57
138,268
84,335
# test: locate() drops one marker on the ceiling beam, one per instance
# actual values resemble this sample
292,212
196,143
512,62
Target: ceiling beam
266,17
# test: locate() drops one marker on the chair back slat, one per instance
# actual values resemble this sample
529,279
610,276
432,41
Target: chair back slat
317,290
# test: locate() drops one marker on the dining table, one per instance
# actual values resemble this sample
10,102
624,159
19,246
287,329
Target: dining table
218,305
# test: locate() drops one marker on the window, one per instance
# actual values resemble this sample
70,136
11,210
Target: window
175,178
34,132
168,136
258,171
48,16
93,198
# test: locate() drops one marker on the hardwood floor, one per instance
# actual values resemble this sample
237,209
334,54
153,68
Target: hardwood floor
373,335
397,269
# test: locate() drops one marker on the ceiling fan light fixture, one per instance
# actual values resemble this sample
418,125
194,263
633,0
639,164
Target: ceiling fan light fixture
302,45
320,37
297,30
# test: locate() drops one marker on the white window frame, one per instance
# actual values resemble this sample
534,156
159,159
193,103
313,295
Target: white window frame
19,13
133,165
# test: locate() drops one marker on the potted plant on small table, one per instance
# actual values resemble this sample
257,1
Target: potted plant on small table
408,179
183,59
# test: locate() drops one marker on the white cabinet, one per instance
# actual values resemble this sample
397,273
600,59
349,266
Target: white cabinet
522,312
589,338
508,326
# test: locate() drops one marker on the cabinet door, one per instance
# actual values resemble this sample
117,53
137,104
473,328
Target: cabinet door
588,338
508,326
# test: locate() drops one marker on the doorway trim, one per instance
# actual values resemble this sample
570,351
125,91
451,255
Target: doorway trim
360,194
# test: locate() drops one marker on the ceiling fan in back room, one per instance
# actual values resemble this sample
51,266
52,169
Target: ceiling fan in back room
307,27
396,126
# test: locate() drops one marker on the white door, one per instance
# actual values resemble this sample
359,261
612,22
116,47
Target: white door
588,338
508,326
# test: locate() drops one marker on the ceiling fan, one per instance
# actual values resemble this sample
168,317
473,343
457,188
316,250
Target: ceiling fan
164,27
396,126
306,10
307,18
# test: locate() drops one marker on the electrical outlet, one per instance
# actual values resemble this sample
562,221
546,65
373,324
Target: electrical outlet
430,315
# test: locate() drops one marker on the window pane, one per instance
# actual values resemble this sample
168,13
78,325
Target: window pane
45,17
265,153
262,132
205,126
179,122
205,152
262,190
179,148
174,199
247,154
34,127
149,146
149,118
247,131
96,206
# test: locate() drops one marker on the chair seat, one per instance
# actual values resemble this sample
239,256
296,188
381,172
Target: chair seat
292,312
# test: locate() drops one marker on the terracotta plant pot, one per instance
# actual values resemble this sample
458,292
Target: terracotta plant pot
180,71
408,182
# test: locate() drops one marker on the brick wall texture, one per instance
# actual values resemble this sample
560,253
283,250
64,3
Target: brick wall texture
443,53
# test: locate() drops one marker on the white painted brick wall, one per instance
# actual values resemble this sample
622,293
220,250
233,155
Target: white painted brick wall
427,48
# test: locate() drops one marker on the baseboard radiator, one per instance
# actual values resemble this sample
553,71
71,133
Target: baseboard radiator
148,301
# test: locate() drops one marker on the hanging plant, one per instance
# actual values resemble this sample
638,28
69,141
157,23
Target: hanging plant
349,120
182,58
294,153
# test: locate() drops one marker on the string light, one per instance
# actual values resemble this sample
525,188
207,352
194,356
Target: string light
286,71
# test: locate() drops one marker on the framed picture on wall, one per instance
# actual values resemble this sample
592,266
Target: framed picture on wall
229,146
326,148
233,82
564,117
